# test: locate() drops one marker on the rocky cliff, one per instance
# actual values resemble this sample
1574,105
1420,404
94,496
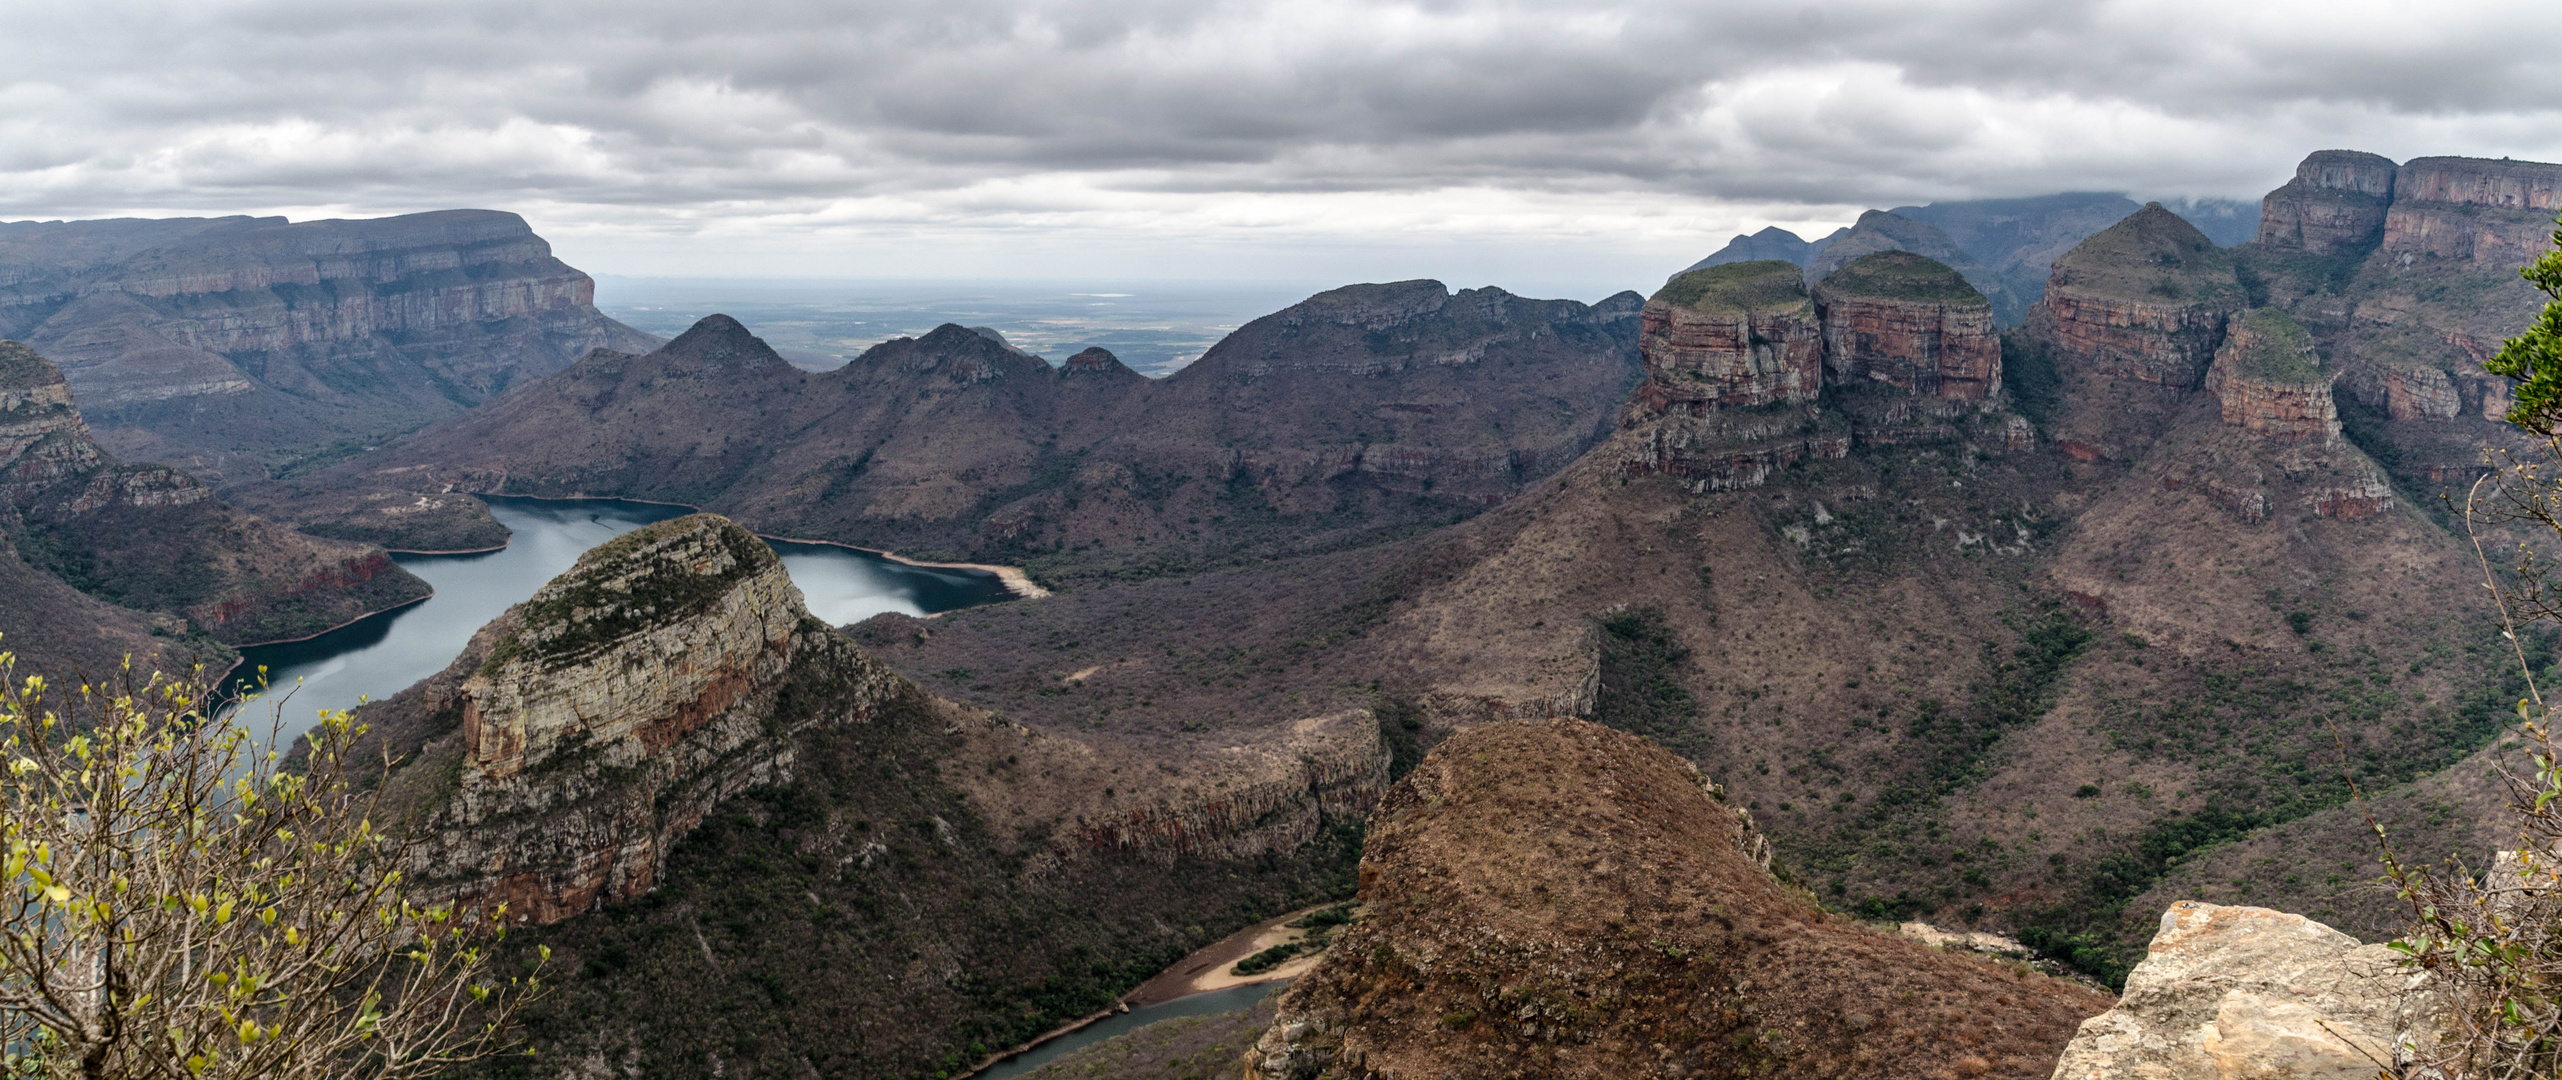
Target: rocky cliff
1911,323
1879,231
226,343
1735,334
2271,383
1559,899
2243,991
2144,299
2494,214
155,540
1366,411
2336,202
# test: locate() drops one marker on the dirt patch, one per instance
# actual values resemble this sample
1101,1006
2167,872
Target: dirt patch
1214,967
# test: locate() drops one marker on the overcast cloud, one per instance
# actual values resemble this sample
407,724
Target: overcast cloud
1514,141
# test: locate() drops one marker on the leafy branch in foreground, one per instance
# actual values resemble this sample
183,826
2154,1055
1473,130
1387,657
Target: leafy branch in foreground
175,904
2486,950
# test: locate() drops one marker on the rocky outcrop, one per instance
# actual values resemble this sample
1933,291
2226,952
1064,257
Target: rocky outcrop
2228,992
1558,899
609,713
2271,383
2492,214
1733,334
1273,795
1723,451
351,326
1911,323
2336,202
2144,299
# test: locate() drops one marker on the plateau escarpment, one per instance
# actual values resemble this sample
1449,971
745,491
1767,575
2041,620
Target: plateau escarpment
1363,413
1664,949
229,345
2336,202
154,540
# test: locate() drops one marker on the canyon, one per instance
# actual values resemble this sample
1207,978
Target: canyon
2038,630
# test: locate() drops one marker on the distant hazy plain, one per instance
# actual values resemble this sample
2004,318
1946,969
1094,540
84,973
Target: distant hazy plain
1153,326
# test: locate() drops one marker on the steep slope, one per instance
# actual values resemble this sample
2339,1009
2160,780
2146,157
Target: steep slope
154,540
1770,243
754,848
1563,900
231,345
1362,413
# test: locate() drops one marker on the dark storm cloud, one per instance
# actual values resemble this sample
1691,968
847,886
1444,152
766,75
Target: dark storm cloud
951,109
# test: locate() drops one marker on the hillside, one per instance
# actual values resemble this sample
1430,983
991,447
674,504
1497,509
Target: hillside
231,347
1559,899
166,567
1361,414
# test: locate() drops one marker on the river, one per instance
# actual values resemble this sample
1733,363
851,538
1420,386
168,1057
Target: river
378,656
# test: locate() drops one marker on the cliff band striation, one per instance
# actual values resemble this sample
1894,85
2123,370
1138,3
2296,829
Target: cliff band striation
334,328
2270,382
611,711
1908,322
2144,299
1732,334
1558,899
2229,992
2337,202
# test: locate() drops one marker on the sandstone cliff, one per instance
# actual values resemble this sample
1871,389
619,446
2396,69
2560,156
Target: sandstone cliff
154,539
1911,323
2144,299
1559,899
2336,202
1735,334
1366,411
1879,231
304,334
2271,383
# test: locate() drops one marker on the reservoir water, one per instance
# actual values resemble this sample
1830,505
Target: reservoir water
381,655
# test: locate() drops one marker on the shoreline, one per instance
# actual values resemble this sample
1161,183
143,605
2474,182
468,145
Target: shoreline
1183,979
1014,578
431,594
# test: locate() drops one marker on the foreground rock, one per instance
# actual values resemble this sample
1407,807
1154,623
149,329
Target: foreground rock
1558,899
2229,992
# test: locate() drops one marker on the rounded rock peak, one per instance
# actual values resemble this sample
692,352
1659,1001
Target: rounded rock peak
2153,256
1763,285
1901,275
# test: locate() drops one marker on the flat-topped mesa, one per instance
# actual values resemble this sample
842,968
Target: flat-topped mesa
2494,214
2271,381
611,711
1910,322
2336,201
2144,299
1734,334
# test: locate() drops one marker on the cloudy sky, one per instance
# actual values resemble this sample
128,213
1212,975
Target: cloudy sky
1580,145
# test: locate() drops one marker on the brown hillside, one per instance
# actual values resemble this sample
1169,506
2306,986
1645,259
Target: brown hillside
1361,414
1563,900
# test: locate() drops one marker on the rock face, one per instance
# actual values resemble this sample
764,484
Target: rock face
1735,334
344,327
2230,992
614,709
1900,319
1558,899
2144,299
154,539
2336,202
1272,797
2271,382
2493,214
